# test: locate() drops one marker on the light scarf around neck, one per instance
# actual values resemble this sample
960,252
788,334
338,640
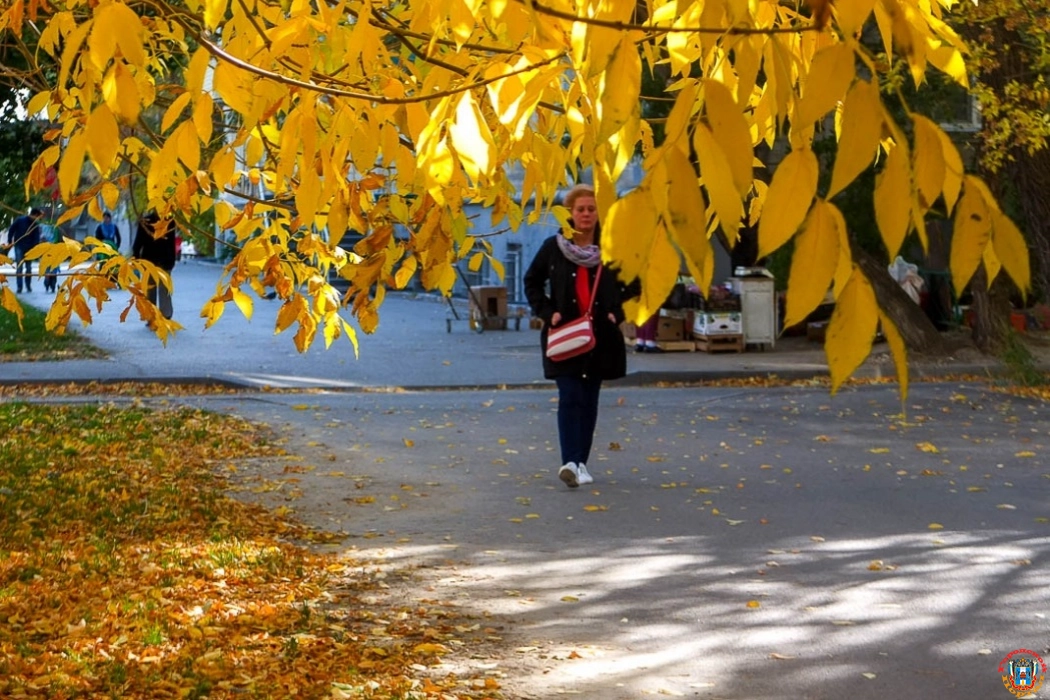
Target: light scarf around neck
587,256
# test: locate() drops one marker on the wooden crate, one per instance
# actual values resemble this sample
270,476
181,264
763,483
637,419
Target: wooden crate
720,343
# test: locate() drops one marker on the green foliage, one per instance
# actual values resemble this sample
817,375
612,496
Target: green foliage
35,342
1020,363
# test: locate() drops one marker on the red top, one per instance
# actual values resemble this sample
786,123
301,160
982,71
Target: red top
583,289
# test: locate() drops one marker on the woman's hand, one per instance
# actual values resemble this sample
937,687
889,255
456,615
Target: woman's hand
612,319
555,319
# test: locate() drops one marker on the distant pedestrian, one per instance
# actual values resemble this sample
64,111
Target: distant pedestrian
24,235
108,233
49,233
155,242
558,285
646,338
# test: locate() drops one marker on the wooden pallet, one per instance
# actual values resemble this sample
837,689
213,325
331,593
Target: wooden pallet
667,345
720,343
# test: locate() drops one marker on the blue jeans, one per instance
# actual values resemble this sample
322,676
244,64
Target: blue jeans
23,271
577,416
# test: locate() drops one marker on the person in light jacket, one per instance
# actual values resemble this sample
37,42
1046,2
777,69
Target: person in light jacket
558,286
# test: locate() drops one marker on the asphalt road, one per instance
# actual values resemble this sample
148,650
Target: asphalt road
744,544
760,544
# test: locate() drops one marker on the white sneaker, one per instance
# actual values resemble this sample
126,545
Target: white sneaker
582,475
569,475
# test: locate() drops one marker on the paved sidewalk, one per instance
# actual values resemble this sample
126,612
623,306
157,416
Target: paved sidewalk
411,349
738,544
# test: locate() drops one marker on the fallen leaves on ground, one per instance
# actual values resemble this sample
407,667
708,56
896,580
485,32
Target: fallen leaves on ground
125,571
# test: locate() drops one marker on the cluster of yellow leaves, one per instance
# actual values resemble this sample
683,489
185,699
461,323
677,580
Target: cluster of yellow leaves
125,572
388,121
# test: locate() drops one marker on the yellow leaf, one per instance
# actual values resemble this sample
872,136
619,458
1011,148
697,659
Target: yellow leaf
196,71
973,229
189,151
893,200
243,302
127,30
852,15
175,110
595,508
813,263
202,118
717,174
1011,249
233,86
859,137
731,133
685,208
898,350
935,526
830,75
753,604
928,162
70,166
214,12
570,599
9,302
851,329
71,50
927,447
682,112
597,44
953,170
950,61
621,85
790,195
212,311
430,649
103,138
110,195
471,138
222,166
633,235
122,93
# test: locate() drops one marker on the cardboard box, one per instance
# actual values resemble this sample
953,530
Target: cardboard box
490,304
670,329
706,323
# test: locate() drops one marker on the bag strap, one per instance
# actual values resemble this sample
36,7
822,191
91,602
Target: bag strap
594,289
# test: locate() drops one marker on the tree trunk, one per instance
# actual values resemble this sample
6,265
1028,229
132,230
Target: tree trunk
915,328
1031,175
991,311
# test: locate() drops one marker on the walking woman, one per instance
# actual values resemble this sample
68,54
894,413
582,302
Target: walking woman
558,284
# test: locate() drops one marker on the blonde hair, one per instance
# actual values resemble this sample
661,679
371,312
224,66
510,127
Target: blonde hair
575,193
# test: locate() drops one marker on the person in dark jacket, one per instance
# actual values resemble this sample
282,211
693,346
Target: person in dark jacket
107,232
155,242
24,235
558,286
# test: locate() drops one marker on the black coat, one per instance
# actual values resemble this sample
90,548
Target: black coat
550,286
24,234
159,251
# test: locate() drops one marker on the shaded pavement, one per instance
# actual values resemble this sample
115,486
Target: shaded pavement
766,543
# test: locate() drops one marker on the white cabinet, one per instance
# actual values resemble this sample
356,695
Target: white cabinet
758,309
